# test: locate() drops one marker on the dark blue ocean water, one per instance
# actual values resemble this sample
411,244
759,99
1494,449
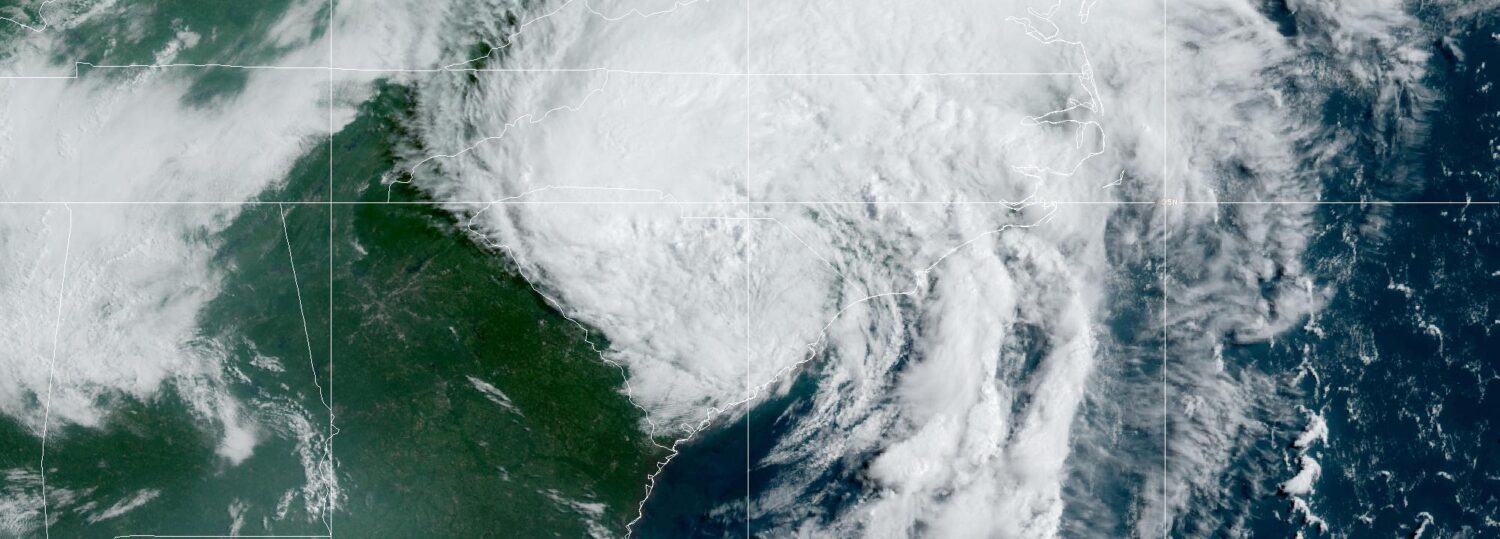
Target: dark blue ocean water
703,492
1403,362
1406,360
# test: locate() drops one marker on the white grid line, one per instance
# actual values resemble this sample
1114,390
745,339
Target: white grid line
378,70
749,247
1162,277
1009,204
306,332
749,389
332,431
62,290
746,203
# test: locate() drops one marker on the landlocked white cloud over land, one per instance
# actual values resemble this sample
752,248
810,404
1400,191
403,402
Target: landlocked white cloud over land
968,443
106,292
915,313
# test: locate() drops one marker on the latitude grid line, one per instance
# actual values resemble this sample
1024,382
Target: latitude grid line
745,204
1167,203
746,73
331,68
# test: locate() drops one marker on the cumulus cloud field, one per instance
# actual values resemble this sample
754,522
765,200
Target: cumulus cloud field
924,203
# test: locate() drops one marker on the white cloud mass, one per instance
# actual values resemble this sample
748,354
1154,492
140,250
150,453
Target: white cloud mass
956,339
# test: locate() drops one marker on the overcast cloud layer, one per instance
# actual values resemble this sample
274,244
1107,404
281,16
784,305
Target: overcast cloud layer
1025,128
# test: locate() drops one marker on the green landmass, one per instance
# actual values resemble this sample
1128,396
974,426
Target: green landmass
419,309
420,312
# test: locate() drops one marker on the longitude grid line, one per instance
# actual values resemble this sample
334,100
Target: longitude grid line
332,471
749,249
1162,275
330,202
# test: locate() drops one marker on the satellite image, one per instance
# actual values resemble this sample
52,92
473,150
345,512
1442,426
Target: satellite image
750,268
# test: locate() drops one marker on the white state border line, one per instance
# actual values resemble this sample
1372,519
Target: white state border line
312,360
744,204
333,431
1038,173
689,430
39,17
301,312
753,391
62,290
